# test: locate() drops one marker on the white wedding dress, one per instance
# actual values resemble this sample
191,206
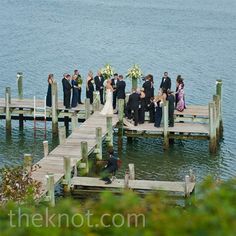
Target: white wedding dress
108,107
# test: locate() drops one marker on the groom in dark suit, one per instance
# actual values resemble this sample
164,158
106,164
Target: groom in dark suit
120,88
165,82
113,84
99,80
66,90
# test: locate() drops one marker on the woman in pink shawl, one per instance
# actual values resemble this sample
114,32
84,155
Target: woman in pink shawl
180,100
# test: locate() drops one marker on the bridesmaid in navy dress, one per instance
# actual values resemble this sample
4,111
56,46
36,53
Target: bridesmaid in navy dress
75,94
90,87
49,92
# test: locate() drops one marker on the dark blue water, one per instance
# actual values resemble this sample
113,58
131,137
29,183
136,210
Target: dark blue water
193,38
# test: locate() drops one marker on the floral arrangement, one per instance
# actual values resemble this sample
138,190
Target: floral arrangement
79,80
107,71
134,72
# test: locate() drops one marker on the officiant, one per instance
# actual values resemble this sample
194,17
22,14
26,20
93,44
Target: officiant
99,81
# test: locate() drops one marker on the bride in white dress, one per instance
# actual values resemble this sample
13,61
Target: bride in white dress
108,107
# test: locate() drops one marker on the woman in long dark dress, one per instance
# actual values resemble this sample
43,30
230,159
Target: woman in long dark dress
158,111
90,87
49,92
75,94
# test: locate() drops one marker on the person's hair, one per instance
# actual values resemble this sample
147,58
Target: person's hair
50,76
74,77
111,151
149,77
115,74
165,72
67,76
179,79
164,91
121,76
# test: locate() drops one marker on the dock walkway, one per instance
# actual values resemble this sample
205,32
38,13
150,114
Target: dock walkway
71,148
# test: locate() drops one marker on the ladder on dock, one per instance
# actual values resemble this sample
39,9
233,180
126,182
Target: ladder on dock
40,112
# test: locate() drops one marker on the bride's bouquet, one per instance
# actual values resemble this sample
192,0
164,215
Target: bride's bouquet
107,71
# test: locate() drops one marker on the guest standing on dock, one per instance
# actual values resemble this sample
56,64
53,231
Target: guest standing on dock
165,82
80,82
99,81
133,106
74,84
148,90
90,87
49,92
66,90
113,83
158,110
142,104
180,99
171,106
120,88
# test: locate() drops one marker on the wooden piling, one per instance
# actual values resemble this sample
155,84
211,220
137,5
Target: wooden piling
212,127
50,189
121,104
109,138
54,108
28,162
96,101
216,99
45,148
62,134
8,109
165,110
219,84
19,77
74,122
131,171
87,108
187,182
67,174
99,143
126,180
84,154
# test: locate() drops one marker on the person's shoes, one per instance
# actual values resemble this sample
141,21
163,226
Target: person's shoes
81,103
157,126
108,182
116,113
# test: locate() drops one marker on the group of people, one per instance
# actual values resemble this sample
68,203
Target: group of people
141,100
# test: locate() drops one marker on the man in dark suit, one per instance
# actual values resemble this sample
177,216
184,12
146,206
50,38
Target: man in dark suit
120,88
66,90
165,82
99,80
113,84
133,106
171,99
148,90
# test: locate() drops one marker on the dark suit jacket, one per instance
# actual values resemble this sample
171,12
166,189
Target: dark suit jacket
133,103
66,86
113,83
99,82
148,89
165,84
120,89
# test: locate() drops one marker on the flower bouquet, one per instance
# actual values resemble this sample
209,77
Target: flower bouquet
107,71
79,81
134,73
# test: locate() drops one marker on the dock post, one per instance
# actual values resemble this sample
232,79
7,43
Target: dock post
126,179
87,108
8,110
54,108
96,101
216,99
186,189
62,134
109,132
67,174
19,77
219,84
121,104
45,148
51,189
74,122
131,172
99,143
212,127
84,154
166,124
28,162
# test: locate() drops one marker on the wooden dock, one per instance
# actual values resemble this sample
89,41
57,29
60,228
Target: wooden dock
74,150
